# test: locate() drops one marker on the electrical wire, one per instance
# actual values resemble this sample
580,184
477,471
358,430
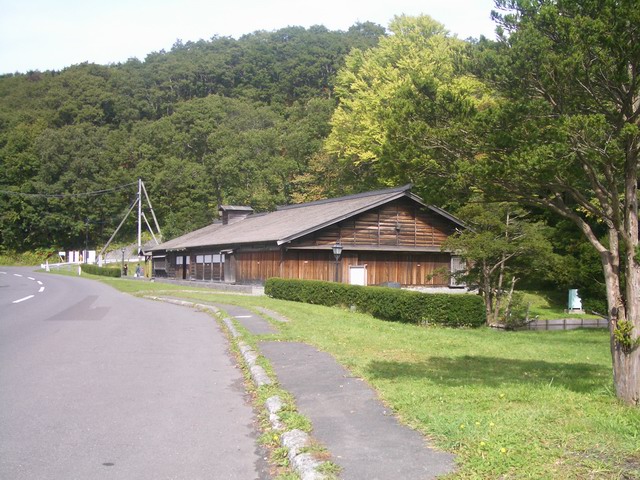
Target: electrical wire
68,195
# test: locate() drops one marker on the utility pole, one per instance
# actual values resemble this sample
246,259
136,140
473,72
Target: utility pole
139,217
86,241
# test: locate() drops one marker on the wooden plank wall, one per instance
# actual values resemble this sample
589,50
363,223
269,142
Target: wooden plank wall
173,269
256,267
309,265
425,269
195,271
400,223
428,269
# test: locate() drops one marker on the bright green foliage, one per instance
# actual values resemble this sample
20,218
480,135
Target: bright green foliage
452,310
567,136
37,257
623,333
548,116
396,105
209,122
501,247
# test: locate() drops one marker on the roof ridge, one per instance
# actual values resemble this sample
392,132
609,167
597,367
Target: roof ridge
403,188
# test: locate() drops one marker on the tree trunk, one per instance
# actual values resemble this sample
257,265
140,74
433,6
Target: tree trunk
626,359
626,374
486,287
498,295
507,310
626,362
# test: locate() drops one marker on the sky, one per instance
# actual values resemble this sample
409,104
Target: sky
54,34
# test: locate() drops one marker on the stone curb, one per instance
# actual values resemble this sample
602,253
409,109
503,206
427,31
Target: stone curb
293,440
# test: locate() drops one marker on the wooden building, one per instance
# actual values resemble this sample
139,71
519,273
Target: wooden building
386,236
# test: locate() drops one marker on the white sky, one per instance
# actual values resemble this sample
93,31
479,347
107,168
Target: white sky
53,34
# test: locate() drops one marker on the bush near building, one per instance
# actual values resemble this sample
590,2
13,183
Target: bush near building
451,310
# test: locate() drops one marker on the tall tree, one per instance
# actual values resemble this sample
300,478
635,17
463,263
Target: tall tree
394,95
556,125
502,245
568,138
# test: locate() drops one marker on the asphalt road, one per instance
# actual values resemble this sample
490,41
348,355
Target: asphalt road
98,384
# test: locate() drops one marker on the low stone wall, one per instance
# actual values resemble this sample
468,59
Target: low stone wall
223,287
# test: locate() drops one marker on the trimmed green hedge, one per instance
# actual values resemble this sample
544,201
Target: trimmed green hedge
451,310
104,271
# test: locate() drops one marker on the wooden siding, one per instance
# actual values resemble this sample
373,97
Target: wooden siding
309,265
256,266
208,271
398,242
426,269
400,223
173,270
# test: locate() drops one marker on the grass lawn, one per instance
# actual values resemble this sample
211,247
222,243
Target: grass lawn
517,405
550,305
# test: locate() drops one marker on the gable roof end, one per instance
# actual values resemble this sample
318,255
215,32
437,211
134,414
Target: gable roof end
291,222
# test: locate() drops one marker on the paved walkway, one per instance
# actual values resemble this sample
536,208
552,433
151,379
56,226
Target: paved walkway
253,322
364,438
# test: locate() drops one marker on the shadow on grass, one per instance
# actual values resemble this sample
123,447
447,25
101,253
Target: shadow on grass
495,371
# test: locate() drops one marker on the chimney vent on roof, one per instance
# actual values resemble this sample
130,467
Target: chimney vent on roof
233,213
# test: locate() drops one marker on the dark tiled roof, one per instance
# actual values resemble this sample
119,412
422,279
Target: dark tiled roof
286,223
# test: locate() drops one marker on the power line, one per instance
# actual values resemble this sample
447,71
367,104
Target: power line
69,195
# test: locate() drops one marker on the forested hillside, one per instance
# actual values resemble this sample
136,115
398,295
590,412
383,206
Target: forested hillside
533,139
211,122
268,119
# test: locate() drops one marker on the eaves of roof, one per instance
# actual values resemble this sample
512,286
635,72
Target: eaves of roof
291,222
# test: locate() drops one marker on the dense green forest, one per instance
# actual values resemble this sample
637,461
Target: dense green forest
207,123
268,119
533,139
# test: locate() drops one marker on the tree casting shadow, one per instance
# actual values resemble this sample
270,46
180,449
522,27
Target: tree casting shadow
495,371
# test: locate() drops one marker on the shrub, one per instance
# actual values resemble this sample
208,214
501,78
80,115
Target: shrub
514,312
598,305
104,271
37,257
452,310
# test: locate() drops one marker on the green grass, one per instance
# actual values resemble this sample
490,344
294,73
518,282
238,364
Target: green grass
513,404
517,405
548,305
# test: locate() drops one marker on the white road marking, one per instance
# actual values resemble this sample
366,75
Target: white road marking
243,316
3,273
38,282
23,299
41,290
17,275
31,278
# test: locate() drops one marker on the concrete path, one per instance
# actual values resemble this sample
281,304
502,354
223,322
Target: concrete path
364,438
97,384
253,322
